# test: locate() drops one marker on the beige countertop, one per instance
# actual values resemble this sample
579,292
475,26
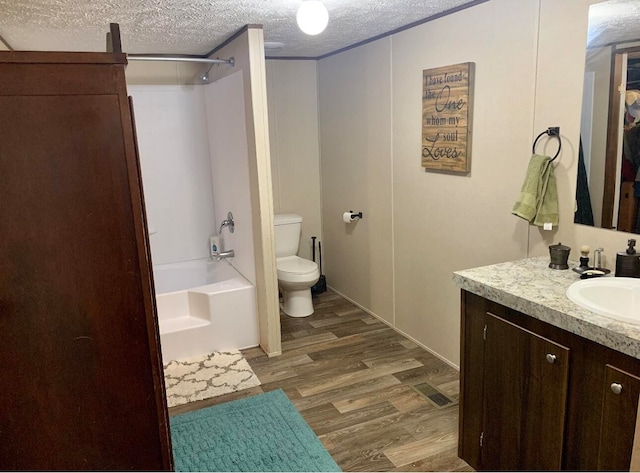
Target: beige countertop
531,287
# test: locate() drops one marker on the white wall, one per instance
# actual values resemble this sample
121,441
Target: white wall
174,157
227,134
292,92
247,48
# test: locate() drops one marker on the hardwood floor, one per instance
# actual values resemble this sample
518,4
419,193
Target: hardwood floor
351,378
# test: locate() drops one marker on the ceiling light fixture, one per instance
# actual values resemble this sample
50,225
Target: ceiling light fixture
312,17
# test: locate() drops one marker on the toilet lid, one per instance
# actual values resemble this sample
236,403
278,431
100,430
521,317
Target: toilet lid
295,265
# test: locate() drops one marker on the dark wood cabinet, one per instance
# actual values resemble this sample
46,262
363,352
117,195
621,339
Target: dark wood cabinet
535,397
79,346
525,388
620,403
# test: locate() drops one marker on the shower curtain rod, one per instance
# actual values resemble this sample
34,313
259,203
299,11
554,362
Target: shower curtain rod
142,57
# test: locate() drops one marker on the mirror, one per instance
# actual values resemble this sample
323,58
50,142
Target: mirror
608,185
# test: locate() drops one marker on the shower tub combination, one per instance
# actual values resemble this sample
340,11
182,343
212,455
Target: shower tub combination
204,306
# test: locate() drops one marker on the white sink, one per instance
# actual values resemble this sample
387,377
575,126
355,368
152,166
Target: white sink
616,298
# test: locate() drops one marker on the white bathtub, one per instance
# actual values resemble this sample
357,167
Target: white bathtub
204,306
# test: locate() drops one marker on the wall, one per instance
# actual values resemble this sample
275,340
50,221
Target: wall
174,157
292,93
356,149
247,48
421,226
230,168
599,62
162,73
559,81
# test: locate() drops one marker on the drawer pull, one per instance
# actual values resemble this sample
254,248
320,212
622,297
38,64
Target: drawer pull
616,388
551,358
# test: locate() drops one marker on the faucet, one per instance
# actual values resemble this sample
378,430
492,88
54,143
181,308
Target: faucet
227,223
223,255
597,258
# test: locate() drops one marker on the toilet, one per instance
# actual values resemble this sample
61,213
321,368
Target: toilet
295,275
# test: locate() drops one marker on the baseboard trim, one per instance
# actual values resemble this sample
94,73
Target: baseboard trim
437,355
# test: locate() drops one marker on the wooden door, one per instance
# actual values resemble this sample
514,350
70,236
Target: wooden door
619,408
471,378
525,390
80,366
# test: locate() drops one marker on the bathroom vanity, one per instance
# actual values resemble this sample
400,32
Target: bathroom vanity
545,384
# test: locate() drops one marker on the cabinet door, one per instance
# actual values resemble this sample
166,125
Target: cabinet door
619,408
78,340
471,378
525,389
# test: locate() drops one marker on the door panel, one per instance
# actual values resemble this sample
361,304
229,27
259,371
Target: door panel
74,341
525,390
619,409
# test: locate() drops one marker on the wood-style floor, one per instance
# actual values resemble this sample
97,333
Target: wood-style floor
351,378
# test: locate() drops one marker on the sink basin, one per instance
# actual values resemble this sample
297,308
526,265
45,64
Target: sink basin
616,298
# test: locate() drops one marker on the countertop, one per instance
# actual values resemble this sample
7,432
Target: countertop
530,286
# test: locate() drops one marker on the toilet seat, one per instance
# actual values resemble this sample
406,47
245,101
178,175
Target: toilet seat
294,267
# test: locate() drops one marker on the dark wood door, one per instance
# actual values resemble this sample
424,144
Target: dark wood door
619,409
82,386
525,391
471,378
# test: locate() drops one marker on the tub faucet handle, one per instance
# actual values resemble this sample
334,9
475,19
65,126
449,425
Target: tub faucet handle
228,223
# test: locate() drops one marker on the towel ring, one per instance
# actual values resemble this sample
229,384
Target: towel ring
551,131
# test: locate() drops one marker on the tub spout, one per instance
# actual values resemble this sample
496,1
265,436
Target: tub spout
224,255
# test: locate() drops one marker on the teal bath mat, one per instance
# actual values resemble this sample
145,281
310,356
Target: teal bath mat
259,433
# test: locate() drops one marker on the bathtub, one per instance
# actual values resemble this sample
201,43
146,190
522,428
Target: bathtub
204,306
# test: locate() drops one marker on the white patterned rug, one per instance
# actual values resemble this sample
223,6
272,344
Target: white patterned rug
205,376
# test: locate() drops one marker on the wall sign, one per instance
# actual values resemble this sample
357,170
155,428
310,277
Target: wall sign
447,96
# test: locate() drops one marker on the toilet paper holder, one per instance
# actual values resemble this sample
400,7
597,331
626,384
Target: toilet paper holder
355,215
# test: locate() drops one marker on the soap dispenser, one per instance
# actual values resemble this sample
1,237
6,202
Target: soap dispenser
628,262
214,245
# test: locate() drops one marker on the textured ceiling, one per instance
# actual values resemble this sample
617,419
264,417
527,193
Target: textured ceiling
198,26
614,21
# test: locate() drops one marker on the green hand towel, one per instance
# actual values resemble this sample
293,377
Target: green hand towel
527,205
538,201
547,211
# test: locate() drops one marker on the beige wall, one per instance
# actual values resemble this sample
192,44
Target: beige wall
558,100
292,92
355,140
421,226
162,73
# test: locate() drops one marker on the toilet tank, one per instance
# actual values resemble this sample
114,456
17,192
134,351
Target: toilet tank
287,234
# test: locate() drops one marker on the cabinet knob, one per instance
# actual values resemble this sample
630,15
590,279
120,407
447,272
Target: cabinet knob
551,358
616,388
